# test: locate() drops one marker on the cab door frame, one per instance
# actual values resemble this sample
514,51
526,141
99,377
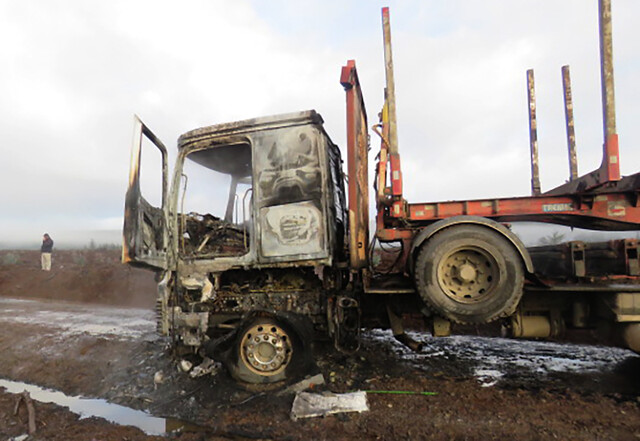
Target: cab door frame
145,231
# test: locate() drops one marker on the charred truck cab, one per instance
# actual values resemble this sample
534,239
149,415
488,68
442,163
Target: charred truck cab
248,279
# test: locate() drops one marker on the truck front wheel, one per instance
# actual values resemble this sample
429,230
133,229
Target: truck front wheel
267,350
469,274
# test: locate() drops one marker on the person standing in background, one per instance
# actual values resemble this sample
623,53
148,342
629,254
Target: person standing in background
45,249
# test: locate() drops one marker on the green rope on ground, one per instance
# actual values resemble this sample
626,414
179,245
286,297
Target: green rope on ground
400,392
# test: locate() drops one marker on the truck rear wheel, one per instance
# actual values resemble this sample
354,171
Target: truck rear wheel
469,274
267,351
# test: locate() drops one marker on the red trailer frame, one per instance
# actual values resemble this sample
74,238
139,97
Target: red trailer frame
599,200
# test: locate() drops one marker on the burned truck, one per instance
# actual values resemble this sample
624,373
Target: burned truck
271,266
260,248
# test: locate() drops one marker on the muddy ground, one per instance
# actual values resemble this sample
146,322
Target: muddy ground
87,328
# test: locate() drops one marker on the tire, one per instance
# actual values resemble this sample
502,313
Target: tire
469,274
267,351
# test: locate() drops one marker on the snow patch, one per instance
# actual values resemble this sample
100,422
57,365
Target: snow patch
490,358
76,319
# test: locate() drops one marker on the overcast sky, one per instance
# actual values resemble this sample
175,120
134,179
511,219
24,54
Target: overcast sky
73,73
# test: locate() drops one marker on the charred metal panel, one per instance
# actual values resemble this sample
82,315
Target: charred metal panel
145,234
191,326
291,229
288,166
207,235
233,293
289,160
339,205
232,159
218,133
357,151
291,199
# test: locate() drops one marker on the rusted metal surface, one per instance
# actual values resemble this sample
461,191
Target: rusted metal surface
391,124
568,113
610,164
389,182
390,92
609,171
617,210
533,134
583,202
381,166
357,151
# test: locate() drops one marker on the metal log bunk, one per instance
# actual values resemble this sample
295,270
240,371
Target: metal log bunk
599,200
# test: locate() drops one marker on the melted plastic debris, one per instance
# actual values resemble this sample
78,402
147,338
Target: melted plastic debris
307,405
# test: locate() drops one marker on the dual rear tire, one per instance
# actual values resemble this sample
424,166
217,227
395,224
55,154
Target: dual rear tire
469,274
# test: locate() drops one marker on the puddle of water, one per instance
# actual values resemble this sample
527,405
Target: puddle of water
86,407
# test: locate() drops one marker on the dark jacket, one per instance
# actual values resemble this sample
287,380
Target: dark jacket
47,245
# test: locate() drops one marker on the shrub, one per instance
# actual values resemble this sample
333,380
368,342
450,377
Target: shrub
79,259
9,259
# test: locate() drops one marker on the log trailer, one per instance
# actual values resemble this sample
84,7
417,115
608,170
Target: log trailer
289,258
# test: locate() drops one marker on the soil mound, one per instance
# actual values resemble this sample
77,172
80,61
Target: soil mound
92,276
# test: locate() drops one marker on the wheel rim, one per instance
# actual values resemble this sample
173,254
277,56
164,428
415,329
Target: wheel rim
468,274
266,349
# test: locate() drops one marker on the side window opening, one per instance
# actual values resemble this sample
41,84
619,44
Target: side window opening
151,192
150,173
215,218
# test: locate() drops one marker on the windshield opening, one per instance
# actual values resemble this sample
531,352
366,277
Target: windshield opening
215,202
